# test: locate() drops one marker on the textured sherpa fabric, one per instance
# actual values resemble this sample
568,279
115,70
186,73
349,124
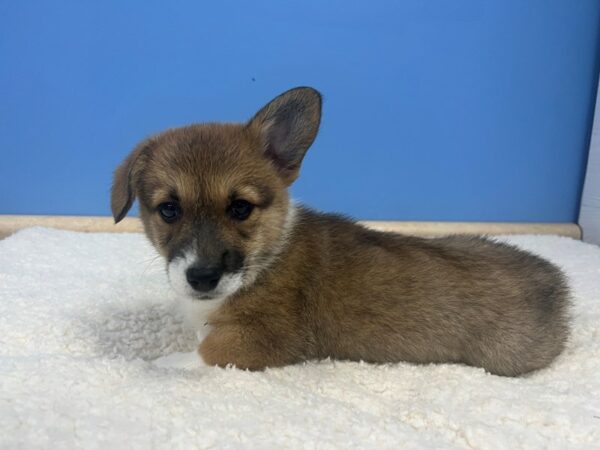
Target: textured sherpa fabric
82,317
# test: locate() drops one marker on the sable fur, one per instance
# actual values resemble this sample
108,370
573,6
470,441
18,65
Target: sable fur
319,285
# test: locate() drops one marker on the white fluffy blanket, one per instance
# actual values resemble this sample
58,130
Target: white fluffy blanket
82,317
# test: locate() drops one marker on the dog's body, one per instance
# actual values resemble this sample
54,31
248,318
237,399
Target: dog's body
277,283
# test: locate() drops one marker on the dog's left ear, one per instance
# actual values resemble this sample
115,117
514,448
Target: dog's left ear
288,126
125,182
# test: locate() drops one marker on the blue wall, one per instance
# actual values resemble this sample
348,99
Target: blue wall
434,110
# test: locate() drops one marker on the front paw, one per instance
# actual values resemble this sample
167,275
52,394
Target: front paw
180,360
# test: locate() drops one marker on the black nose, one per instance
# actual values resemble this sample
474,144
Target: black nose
203,279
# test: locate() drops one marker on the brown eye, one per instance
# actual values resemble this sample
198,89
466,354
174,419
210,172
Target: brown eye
240,209
169,211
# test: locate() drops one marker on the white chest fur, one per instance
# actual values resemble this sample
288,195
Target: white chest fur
196,314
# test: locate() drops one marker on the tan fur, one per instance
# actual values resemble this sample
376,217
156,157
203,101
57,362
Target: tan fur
332,288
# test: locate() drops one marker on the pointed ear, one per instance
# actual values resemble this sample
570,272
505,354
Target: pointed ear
288,126
125,182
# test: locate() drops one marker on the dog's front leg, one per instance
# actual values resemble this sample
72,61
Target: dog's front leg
247,347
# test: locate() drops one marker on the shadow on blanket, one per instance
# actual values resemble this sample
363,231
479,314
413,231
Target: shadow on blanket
138,332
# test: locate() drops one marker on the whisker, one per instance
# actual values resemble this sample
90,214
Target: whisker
150,263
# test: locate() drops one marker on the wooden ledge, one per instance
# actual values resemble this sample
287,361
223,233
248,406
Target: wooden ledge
10,224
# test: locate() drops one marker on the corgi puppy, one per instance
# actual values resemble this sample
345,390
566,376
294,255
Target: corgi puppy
274,283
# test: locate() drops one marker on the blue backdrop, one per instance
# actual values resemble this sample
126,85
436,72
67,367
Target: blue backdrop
434,110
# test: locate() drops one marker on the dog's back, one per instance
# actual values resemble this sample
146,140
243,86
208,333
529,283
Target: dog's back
384,297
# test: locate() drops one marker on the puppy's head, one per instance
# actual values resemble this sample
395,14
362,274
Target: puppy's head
213,197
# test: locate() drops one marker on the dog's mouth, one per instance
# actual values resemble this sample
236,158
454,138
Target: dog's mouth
206,296
228,284
199,285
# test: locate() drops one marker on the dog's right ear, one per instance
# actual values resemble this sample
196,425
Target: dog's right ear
125,182
288,126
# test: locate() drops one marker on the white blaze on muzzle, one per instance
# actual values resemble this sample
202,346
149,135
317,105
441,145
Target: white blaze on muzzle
177,269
